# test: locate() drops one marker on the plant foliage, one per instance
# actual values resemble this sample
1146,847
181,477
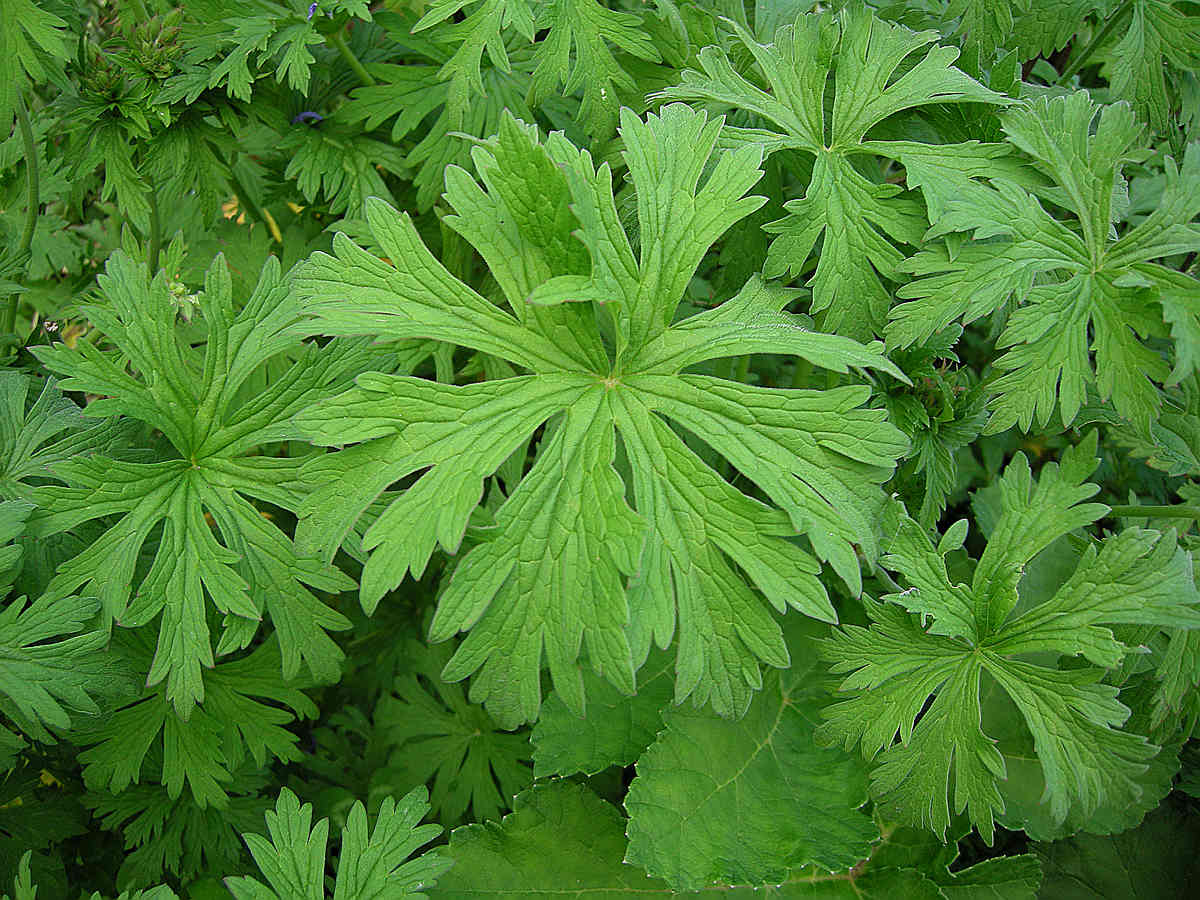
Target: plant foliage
476,448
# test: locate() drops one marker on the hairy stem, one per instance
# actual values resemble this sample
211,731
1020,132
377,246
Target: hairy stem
338,40
1085,54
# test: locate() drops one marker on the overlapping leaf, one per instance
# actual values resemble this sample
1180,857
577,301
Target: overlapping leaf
575,52
1087,303
246,709
745,802
439,737
372,863
211,539
919,680
50,664
878,69
549,577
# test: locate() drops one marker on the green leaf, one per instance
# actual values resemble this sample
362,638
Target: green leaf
920,681
481,29
341,166
1156,861
616,729
575,55
560,839
212,540
32,46
1030,28
372,864
1088,304
439,737
1160,34
32,438
51,665
857,219
165,837
232,45
549,577
45,675
1025,786
744,802
246,709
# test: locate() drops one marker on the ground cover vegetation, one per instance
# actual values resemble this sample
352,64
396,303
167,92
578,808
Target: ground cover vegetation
599,448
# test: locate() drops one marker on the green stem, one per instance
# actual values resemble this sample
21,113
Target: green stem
8,325
801,373
742,372
338,40
1155,512
31,175
1101,36
154,238
141,10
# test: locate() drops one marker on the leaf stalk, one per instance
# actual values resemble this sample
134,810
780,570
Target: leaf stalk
338,40
1094,44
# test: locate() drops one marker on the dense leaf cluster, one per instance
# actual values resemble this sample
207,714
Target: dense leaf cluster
599,448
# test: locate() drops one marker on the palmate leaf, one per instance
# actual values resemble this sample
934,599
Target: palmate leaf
232,44
164,836
409,93
575,53
438,736
243,562
51,666
246,710
1028,27
549,576
34,437
32,46
858,221
25,889
1082,294
921,681
372,863
1159,35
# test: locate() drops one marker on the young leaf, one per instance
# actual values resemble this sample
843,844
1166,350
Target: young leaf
549,576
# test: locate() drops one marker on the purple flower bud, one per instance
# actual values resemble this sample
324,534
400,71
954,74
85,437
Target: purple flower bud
311,10
308,116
